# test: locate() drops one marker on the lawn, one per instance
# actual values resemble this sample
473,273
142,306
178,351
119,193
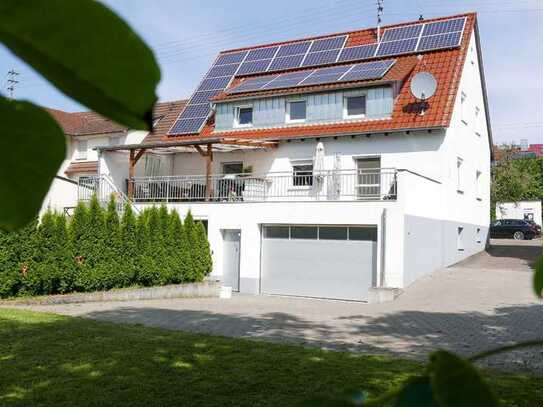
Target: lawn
47,359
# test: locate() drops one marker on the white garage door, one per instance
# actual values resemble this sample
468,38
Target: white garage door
319,261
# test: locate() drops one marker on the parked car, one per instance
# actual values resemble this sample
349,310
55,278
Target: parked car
536,227
512,228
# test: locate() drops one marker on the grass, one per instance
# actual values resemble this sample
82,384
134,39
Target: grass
47,359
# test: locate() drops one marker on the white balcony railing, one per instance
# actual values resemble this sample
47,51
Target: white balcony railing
346,185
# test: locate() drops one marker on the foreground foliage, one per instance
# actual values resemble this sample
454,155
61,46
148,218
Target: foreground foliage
87,52
96,250
48,359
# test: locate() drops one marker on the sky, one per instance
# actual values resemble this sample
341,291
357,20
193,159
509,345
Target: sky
186,35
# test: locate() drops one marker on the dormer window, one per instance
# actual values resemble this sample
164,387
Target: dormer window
81,150
244,116
355,106
296,111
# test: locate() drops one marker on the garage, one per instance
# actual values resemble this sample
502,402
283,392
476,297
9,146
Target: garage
336,262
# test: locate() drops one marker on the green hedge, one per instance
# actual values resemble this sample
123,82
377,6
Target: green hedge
95,250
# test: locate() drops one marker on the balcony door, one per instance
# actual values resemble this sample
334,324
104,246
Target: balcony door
368,178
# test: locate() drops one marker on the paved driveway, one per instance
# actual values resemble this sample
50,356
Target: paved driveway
480,303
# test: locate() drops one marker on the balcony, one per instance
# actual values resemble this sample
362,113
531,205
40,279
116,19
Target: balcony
346,185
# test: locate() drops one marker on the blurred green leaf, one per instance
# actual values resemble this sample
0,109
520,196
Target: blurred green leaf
538,277
27,168
455,382
416,393
326,402
87,52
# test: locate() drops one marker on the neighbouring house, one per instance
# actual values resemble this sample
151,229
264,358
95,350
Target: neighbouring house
318,172
525,210
85,132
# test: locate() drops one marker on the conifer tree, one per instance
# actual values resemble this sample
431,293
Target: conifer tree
180,251
117,274
79,228
129,244
188,227
204,249
64,256
94,245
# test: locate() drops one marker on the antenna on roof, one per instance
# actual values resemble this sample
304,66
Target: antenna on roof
379,14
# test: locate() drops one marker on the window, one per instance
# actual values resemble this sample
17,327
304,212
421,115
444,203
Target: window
302,174
478,121
244,116
355,107
460,239
332,233
303,232
296,111
276,232
232,168
363,233
81,150
368,177
478,185
114,140
463,107
459,180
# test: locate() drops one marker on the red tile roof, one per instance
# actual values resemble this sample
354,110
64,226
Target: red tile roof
91,123
446,65
82,167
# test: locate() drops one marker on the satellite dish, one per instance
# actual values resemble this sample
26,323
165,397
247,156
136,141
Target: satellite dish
423,85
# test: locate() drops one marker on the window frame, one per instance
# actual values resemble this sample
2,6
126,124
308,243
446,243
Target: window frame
237,111
346,98
459,175
118,142
80,153
464,107
288,109
296,180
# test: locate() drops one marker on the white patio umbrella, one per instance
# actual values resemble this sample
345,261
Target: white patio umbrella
318,166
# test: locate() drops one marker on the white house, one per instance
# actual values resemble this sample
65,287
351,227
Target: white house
317,171
85,132
525,210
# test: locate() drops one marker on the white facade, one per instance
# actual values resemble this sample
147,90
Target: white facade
525,210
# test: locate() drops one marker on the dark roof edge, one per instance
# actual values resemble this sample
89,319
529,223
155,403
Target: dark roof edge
483,85
161,144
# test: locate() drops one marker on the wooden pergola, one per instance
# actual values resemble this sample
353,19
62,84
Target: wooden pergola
204,147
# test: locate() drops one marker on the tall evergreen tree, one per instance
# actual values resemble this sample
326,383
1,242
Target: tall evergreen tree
188,227
64,256
129,243
181,258
204,249
78,228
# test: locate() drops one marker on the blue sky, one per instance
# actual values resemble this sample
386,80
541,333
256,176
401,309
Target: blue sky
186,35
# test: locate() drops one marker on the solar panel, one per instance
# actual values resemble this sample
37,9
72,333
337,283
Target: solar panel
402,33
234,58
187,126
441,27
253,67
440,41
321,58
294,49
362,75
222,70
328,43
214,83
261,53
292,61
204,97
252,84
359,52
362,71
193,111
397,47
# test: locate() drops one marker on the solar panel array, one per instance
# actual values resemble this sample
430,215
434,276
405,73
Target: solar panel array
418,37
334,74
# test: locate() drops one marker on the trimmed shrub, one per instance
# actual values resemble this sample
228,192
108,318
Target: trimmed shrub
97,251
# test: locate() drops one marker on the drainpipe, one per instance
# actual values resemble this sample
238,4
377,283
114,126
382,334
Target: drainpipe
381,280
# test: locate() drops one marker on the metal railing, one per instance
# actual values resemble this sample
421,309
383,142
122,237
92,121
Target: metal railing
103,187
351,185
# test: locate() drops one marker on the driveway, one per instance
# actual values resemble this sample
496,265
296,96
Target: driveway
482,302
